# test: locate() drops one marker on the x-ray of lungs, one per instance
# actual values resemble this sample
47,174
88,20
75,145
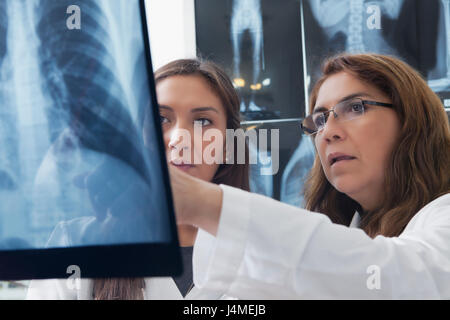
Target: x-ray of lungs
75,169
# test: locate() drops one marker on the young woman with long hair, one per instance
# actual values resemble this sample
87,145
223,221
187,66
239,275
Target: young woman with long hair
186,89
190,92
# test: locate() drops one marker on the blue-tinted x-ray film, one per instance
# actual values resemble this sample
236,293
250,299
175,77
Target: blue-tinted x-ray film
75,169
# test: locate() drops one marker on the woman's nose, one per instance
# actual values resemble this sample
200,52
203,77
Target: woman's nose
332,129
180,139
175,139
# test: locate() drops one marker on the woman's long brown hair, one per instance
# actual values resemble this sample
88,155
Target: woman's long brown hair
235,175
419,166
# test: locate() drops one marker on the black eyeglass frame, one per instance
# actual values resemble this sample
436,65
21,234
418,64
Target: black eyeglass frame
309,132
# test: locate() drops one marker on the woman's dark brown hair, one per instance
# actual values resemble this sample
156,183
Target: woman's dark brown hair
419,166
235,175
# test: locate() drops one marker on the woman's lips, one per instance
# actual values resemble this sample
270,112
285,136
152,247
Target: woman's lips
182,166
341,162
337,157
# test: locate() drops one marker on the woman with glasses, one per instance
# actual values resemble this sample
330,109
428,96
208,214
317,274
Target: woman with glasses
377,223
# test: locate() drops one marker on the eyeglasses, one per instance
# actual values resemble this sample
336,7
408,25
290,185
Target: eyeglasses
344,111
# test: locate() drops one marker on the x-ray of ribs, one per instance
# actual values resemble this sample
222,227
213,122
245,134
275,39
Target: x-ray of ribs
65,78
79,70
54,81
247,16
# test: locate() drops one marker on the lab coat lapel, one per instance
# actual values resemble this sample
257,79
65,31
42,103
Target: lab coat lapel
355,220
161,288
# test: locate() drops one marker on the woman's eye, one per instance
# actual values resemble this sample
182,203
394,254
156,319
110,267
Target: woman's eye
357,107
319,120
163,119
202,122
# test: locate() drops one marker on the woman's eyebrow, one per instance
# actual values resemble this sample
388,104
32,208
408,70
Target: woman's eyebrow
203,109
319,109
348,97
166,108
355,95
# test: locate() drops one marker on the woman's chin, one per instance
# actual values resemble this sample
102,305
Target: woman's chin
345,186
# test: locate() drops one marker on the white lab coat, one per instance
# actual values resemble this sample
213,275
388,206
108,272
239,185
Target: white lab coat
156,288
67,233
269,250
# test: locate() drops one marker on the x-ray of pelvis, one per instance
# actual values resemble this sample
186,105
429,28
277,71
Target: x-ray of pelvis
74,169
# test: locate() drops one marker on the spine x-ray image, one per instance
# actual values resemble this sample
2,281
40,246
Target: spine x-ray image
258,42
349,22
246,15
439,77
416,31
353,26
75,169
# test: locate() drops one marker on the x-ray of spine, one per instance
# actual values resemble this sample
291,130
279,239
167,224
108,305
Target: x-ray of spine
259,183
351,21
247,16
296,173
439,77
3,30
74,105
10,170
353,26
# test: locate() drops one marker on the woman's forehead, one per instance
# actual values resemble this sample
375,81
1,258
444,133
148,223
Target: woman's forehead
341,86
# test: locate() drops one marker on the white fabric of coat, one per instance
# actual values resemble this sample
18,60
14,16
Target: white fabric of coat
156,288
265,249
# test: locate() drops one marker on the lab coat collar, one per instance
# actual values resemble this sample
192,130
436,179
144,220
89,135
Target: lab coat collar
355,220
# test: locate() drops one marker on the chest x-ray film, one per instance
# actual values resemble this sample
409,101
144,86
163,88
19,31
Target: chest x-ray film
83,179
